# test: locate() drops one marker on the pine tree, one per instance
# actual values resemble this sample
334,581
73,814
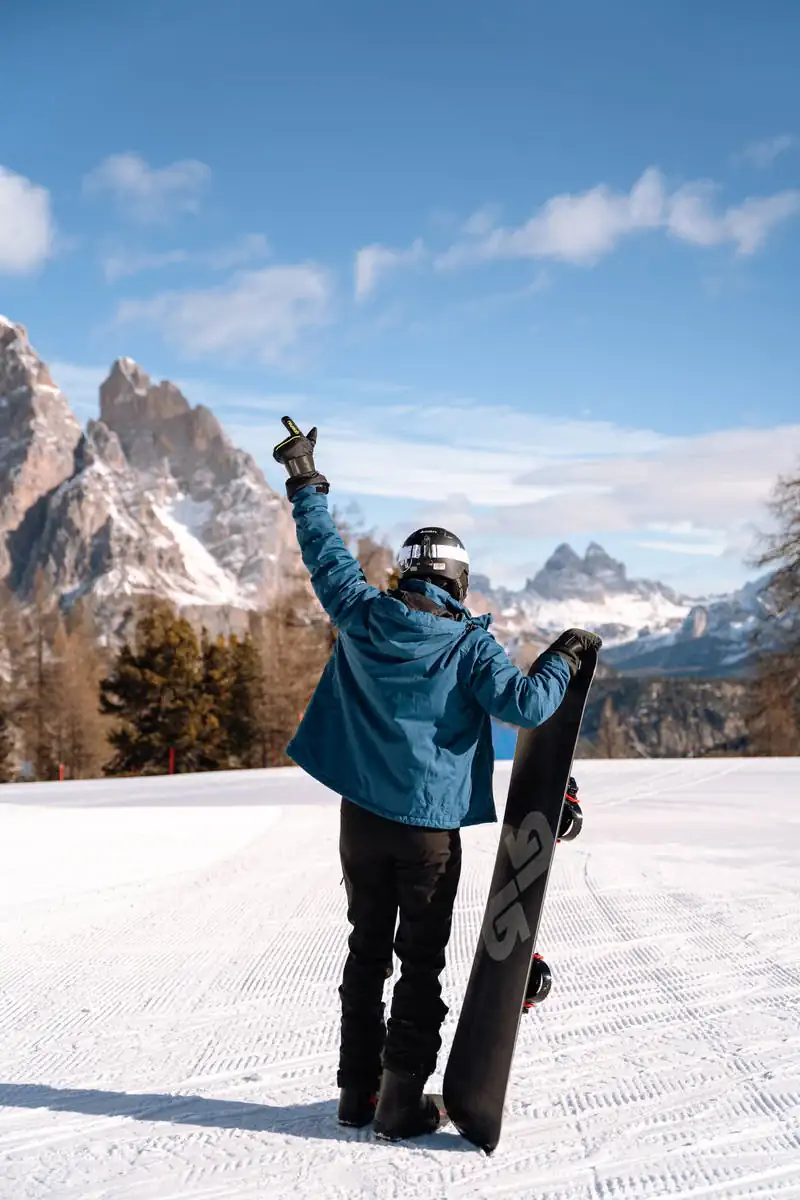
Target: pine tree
292,642
247,704
79,731
774,711
34,695
155,694
217,690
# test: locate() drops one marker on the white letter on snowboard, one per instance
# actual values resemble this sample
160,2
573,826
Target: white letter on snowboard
529,851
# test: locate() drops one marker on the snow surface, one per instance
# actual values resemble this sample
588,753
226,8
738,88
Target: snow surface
171,950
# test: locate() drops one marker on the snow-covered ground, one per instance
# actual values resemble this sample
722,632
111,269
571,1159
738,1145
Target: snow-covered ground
170,951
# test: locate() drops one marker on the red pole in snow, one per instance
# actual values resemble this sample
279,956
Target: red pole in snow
60,772
172,760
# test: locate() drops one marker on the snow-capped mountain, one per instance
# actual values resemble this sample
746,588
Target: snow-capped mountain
152,499
647,627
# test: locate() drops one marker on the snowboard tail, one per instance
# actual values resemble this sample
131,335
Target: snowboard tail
479,1065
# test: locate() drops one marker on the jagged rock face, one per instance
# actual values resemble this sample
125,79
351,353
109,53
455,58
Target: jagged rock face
152,499
671,718
155,422
203,483
38,436
567,576
102,537
593,592
695,625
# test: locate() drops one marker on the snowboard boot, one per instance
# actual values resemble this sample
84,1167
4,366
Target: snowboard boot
356,1106
403,1111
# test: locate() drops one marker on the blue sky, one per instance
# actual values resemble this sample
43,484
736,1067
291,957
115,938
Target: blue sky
532,269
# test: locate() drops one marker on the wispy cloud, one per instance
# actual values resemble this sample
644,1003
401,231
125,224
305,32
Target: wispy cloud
458,464
80,384
762,154
258,315
691,218
581,229
374,262
145,193
27,231
701,549
120,263
248,249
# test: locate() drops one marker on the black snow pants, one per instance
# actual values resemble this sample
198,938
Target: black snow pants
404,877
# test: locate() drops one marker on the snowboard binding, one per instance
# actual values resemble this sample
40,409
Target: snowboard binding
571,814
539,983
540,980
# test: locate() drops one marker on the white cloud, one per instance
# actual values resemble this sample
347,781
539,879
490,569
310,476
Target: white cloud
248,249
714,484
27,231
146,193
583,228
120,263
762,154
702,549
459,464
375,261
255,314
577,229
481,222
692,219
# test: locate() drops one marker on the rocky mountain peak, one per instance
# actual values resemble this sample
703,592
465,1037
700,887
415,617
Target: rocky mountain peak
152,499
566,574
563,558
600,565
38,436
159,430
100,445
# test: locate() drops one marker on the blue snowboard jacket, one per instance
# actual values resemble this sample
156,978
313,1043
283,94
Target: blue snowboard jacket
400,720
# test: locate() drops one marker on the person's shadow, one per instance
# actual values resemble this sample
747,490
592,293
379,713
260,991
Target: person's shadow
317,1120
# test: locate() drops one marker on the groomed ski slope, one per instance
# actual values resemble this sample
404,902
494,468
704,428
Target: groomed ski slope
170,951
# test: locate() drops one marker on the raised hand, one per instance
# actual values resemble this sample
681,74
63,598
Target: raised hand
296,452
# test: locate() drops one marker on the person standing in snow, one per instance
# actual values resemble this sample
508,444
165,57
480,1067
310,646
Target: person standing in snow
400,727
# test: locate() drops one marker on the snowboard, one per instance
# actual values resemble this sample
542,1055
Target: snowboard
501,980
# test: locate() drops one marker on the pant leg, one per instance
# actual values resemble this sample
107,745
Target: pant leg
364,847
427,870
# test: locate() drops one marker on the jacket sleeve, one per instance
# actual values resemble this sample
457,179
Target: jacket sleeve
508,694
336,577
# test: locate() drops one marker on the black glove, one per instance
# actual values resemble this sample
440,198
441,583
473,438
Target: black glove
572,644
296,452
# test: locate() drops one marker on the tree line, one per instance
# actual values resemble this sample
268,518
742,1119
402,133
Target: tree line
172,697
176,698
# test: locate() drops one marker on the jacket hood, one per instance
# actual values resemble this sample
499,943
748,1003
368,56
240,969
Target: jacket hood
443,597
414,633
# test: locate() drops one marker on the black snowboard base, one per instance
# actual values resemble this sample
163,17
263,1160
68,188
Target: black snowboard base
478,1068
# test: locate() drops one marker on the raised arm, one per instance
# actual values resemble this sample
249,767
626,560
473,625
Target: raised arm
522,700
336,577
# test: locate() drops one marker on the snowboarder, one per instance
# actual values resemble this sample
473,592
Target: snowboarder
400,727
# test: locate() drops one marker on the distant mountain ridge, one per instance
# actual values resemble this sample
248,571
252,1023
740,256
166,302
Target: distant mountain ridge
153,498
647,627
